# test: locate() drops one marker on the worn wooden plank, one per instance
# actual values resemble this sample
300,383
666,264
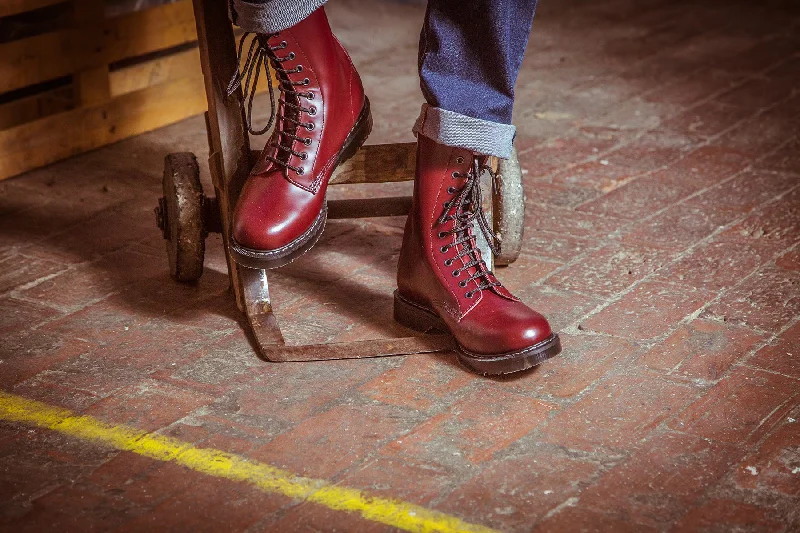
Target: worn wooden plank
58,136
35,107
15,7
183,64
92,85
61,53
379,163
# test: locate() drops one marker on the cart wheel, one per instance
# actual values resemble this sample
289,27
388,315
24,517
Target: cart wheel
180,215
509,210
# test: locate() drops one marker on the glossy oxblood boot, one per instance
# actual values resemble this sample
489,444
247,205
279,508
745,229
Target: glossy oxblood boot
443,284
323,118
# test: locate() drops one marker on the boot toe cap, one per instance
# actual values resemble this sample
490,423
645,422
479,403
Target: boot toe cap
516,329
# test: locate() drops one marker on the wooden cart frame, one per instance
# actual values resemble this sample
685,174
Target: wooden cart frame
186,215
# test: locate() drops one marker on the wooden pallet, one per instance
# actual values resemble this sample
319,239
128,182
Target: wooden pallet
95,80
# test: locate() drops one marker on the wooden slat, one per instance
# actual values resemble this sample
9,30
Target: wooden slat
61,53
35,107
53,138
92,85
14,7
184,64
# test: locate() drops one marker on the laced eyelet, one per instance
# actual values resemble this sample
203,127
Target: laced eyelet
456,273
459,160
309,95
451,190
448,262
307,142
446,205
299,68
303,155
462,284
300,171
455,175
306,81
312,110
469,295
444,248
291,56
309,126
442,235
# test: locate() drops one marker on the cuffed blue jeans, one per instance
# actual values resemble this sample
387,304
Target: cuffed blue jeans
470,53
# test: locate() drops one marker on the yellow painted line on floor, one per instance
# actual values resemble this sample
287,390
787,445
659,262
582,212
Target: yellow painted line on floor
218,463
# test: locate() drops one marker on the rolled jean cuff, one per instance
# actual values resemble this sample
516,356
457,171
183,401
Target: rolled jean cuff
454,129
271,16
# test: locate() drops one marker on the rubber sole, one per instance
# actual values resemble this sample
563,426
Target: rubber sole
270,259
425,320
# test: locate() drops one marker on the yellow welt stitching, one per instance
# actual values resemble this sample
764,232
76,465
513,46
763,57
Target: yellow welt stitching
218,463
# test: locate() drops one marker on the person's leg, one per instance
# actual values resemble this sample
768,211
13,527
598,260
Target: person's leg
323,117
470,53
270,16
469,57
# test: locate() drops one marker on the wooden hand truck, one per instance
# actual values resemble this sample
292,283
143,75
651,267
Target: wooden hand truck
186,215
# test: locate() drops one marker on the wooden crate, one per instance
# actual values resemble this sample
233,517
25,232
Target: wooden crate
95,80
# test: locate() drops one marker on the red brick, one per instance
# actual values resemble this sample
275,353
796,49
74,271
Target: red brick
311,518
768,300
707,120
557,195
702,349
512,495
578,518
328,443
786,158
420,382
685,92
774,466
789,261
744,192
660,479
718,264
764,132
618,413
477,426
541,158
149,405
678,227
585,360
602,176
649,310
777,222
16,315
719,516
781,356
553,246
611,269
709,164
562,308
741,408
569,222
649,152
525,270
639,198
764,90
17,269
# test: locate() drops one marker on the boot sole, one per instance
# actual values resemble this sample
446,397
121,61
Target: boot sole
424,320
270,259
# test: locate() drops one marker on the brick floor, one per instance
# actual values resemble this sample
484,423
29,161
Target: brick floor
660,145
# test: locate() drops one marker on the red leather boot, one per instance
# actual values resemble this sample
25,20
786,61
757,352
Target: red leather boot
323,117
443,284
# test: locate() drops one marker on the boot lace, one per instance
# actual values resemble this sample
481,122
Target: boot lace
260,56
466,209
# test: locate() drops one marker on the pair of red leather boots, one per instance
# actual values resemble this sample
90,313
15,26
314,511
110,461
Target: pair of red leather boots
443,284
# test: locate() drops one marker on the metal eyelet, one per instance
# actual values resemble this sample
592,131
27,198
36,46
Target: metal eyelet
291,56
448,262
455,175
451,190
309,126
446,205
459,160
306,81
312,110
456,273
307,142
300,171
303,155
299,68
283,44
469,295
442,235
309,95
444,248
462,284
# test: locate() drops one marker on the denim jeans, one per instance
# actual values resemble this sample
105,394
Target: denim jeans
470,53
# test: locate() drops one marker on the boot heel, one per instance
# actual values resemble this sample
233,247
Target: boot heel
416,318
